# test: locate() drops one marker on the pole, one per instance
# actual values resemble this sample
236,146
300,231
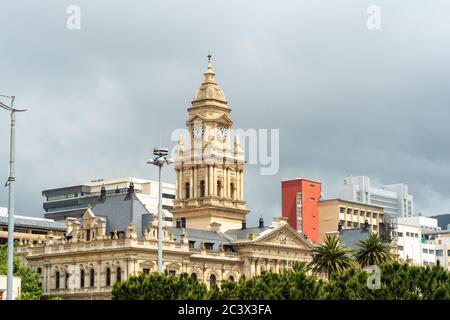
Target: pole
160,242
9,286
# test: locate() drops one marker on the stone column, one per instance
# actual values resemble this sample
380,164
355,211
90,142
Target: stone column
195,186
99,276
241,185
180,183
177,185
237,186
225,182
258,267
215,180
206,181
211,181
46,282
191,183
252,267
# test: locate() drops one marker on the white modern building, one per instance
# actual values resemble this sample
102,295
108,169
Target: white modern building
441,241
409,243
421,242
394,198
426,224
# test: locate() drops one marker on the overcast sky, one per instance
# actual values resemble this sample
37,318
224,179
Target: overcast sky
347,100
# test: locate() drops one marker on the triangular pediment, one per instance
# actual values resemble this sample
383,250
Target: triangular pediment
88,214
284,235
222,118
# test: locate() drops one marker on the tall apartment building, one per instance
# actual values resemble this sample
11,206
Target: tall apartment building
394,198
299,204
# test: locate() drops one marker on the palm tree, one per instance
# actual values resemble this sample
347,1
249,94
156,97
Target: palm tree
373,252
299,266
331,257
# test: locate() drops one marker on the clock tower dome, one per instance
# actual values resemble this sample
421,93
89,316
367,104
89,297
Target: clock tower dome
209,172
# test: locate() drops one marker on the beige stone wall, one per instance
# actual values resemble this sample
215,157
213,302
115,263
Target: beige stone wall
56,259
351,214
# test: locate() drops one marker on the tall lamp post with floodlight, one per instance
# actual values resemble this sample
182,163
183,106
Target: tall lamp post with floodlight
10,184
160,160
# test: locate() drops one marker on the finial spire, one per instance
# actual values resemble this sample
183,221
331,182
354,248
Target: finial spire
209,74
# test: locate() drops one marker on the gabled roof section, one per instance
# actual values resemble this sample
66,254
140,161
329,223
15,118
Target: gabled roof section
282,235
220,118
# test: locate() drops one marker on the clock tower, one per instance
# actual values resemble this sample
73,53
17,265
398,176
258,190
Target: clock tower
209,172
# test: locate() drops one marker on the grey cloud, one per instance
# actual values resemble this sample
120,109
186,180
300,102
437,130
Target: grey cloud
346,99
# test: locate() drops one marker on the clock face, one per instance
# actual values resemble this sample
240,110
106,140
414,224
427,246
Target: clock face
197,131
221,132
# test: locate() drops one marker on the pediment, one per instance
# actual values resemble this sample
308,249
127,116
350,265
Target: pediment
222,118
284,236
88,215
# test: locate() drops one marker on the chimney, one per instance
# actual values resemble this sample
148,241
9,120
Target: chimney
261,222
178,223
244,224
131,188
103,194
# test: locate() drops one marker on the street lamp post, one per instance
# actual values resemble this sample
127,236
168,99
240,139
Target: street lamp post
160,160
10,184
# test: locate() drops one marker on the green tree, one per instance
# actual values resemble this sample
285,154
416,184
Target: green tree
331,257
31,288
398,282
287,285
373,252
157,286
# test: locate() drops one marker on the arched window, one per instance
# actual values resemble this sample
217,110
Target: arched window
187,190
219,188
232,190
194,276
57,280
212,280
108,276
39,270
82,276
231,278
92,278
202,188
67,277
119,275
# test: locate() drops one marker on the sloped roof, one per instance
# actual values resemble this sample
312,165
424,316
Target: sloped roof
350,237
242,234
198,236
30,222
